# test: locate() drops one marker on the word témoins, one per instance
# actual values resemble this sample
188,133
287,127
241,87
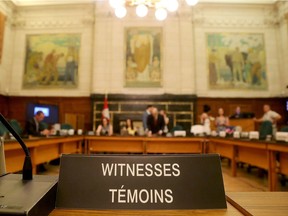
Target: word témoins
141,169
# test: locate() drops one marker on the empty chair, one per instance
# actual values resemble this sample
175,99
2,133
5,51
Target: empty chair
265,129
3,129
284,129
16,126
66,126
43,125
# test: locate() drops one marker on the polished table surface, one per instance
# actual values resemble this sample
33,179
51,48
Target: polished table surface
260,203
218,212
238,203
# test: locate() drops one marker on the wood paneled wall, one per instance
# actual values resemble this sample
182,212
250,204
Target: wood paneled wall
3,105
15,107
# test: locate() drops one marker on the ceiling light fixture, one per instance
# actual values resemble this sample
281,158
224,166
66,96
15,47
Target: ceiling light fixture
161,7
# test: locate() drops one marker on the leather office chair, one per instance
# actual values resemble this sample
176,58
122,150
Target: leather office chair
3,129
284,129
16,126
66,126
43,125
265,129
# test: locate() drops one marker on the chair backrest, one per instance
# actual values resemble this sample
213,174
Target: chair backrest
66,126
265,129
16,126
3,129
176,128
43,125
284,129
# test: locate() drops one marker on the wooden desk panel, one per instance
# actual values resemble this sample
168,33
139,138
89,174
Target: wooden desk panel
174,145
41,149
114,144
46,153
246,124
274,169
14,160
226,149
255,156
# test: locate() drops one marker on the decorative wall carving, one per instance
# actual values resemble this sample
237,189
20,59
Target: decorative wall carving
2,28
206,17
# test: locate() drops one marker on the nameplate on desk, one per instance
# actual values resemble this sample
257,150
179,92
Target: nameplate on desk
140,182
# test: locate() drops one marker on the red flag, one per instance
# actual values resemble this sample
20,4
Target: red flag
105,111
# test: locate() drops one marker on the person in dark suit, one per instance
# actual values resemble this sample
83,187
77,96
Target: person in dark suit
238,114
145,116
33,126
155,123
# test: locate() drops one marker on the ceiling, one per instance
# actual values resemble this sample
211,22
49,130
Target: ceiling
53,2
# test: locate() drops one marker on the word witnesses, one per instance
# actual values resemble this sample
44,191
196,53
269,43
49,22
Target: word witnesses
140,195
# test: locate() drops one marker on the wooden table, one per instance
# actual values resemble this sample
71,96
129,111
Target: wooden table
174,145
282,150
114,144
260,203
238,203
41,149
252,152
144,145
218,212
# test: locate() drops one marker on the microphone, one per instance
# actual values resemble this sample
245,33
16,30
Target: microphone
27,166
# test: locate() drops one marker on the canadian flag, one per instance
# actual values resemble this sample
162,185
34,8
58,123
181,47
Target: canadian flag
105,111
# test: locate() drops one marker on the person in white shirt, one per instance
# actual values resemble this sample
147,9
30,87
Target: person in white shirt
269,115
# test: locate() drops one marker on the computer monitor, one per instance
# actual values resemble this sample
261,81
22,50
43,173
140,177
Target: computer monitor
51,112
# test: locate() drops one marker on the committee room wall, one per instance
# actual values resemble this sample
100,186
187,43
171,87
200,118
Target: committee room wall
177,55
6,9
16,107
185,60
237,19
51,20
283,45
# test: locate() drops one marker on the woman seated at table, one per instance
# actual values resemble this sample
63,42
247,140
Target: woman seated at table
221,121
104,129
129,127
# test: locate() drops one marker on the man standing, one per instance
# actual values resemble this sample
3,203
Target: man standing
155,123
271,116
33,126
145,116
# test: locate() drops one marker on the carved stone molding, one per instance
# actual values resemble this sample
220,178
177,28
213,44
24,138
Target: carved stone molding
18,22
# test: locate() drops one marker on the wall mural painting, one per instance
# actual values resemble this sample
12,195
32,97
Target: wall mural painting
52,61
143,57
236,61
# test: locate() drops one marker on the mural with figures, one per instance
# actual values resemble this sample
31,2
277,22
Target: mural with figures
143,66
236,61
52,61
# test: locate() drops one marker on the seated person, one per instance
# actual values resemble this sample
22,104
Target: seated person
155,123
241,115
221,121
105,128
128,129
238,114
33,126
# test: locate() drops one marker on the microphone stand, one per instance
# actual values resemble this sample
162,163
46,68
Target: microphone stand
27,166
